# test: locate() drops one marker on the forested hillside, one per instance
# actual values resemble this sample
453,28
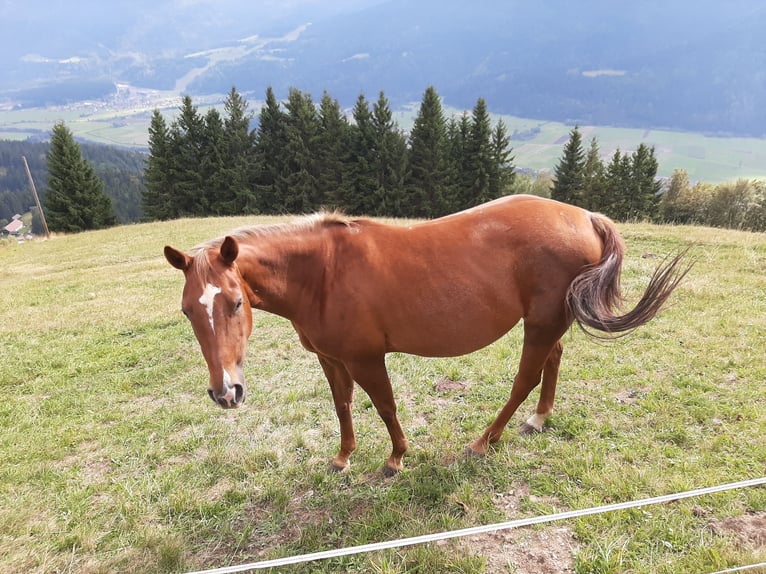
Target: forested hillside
122,172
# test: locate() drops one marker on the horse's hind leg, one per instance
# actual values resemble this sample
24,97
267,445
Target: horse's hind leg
547,391
541,349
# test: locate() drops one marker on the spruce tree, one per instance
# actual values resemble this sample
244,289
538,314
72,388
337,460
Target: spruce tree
363,179
428,174
389,161
594,180
301,136
157,200
568,183
633,186
459,174
212,173
270,160
479,161
187,144
644,202
332,154
75,199
618,182
501,169
238,148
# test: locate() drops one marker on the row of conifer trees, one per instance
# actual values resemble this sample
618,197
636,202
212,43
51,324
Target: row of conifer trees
302,157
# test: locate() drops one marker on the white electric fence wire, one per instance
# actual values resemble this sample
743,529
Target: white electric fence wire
426,538
742,568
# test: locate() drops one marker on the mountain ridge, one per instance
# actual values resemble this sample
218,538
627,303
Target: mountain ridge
694,66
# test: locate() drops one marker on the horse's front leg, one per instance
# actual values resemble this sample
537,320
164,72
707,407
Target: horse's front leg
342,387
372,376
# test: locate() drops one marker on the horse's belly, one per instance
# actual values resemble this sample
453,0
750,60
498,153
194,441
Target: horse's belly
449,338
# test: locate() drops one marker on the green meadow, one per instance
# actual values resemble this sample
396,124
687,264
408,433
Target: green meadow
115,460
711,159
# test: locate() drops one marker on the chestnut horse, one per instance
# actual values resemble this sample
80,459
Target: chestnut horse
356,289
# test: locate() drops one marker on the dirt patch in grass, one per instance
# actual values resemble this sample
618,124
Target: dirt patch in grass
448,391
269,531
271,528
93,462
448,386
630,396
747,530
548,550
527,551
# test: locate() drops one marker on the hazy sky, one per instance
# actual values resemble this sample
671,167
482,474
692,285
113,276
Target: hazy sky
62,29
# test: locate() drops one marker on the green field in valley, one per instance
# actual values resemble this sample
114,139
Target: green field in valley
115,460
706,158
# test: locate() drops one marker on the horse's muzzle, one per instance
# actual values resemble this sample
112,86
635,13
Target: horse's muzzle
233,396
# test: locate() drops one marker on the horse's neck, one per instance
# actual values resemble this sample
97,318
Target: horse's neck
280,270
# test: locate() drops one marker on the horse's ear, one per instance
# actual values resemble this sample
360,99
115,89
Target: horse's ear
177,258
229,250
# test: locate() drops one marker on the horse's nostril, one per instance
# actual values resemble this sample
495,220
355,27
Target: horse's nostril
232,398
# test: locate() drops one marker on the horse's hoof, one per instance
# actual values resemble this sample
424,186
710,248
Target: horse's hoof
527,429
339,468
389,471
470,452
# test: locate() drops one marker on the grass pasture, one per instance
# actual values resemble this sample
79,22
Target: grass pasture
113,459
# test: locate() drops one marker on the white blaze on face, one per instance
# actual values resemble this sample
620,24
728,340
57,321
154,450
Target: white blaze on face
208,299
231,392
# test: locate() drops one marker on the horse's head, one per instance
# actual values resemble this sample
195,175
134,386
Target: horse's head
215,303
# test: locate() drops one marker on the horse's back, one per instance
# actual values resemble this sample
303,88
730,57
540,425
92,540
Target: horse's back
454,284
526,226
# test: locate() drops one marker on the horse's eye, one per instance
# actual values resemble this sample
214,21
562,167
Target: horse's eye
238,305
185,312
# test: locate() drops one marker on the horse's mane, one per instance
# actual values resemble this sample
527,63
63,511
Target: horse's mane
307,223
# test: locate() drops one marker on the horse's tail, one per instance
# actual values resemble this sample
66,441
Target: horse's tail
594,297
